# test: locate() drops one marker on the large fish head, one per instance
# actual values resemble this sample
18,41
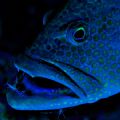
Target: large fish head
78,49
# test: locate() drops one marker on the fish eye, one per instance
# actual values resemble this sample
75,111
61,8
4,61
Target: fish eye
79,34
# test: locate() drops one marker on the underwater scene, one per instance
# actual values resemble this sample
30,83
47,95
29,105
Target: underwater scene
60,60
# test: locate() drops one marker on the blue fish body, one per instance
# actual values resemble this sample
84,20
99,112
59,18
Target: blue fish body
79,49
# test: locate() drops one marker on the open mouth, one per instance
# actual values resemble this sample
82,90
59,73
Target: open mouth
44,83
42,75
43,87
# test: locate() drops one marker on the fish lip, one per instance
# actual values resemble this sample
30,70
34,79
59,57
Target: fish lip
17,102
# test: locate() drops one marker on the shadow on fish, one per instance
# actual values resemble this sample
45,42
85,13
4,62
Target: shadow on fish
73,61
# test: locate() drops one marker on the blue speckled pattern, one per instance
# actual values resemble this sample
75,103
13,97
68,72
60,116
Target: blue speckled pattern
90,68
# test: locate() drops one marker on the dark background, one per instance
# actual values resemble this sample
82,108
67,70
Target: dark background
22,21
20,24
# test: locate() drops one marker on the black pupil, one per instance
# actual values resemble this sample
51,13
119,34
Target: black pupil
79,34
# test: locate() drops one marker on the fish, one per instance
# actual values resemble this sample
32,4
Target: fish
75,60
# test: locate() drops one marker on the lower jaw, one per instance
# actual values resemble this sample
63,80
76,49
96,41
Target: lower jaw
19,102
42,98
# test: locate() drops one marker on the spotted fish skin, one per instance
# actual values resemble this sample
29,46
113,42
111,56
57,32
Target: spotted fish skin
92,64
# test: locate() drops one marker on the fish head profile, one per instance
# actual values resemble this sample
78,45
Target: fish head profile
74,61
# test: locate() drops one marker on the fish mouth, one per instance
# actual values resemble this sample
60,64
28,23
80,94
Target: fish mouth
45,87
49,86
